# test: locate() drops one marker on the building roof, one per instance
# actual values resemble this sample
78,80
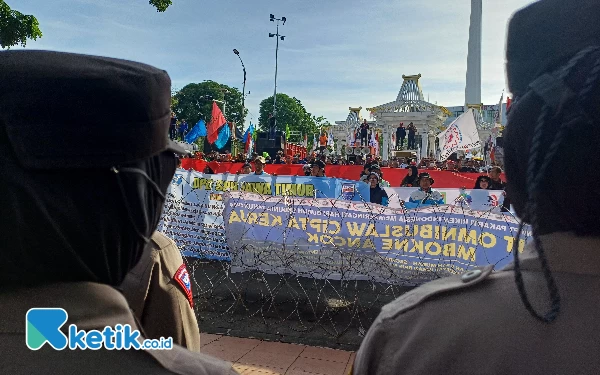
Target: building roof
410,99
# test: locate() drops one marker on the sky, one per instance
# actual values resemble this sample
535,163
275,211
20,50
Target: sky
336,53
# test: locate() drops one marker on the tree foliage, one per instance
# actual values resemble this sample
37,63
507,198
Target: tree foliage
160,5
290,112
16,27
194,102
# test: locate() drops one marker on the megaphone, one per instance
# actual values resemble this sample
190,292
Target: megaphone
349,150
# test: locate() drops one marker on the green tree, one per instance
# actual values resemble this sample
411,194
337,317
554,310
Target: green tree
160,5
320,122
290,112
194,102
16,28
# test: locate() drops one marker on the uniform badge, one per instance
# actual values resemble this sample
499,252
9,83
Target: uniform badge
183,278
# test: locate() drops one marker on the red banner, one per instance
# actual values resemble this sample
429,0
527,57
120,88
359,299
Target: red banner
443,179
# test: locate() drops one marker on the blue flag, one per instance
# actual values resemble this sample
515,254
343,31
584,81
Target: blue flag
224,135
249,133
199,130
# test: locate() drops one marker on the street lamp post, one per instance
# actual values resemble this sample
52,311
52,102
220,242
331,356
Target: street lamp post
277,37
244,84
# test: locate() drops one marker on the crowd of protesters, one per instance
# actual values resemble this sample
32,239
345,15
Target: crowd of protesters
490,178
460,165
372,174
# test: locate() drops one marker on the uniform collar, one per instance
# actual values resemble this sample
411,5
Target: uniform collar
566,253
81,300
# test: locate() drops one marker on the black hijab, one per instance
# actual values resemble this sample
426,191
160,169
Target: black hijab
78,224
412,179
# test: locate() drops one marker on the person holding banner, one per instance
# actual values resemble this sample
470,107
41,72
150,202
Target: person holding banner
377,169
318,169
259,166
425,196
246,169
539,315
307,169
378,195
497,184
483,182
412,177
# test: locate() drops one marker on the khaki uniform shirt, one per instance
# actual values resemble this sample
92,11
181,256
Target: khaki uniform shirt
477,324
89,306
159,292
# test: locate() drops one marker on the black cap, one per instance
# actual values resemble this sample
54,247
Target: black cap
546,34
426,175
375,167
64,110
319,164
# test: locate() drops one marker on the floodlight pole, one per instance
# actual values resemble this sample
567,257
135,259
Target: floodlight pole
277,37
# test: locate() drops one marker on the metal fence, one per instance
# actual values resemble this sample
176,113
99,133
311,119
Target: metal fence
236,298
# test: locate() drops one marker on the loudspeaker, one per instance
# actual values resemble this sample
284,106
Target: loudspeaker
263,142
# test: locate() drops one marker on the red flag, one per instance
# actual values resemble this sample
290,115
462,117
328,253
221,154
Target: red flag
217,120
508,101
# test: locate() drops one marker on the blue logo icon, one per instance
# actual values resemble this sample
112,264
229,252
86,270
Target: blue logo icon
177,179
43,326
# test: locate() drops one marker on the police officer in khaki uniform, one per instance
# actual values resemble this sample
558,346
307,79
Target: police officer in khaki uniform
159,291
539,315
85,162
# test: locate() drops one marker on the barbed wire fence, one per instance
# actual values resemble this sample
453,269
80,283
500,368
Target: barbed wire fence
280,288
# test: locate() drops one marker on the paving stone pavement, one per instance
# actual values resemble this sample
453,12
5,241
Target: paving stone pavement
254,356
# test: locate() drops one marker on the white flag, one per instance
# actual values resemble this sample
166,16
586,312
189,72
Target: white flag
330,141
250,146
372,140
314,142
461,134
499,113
